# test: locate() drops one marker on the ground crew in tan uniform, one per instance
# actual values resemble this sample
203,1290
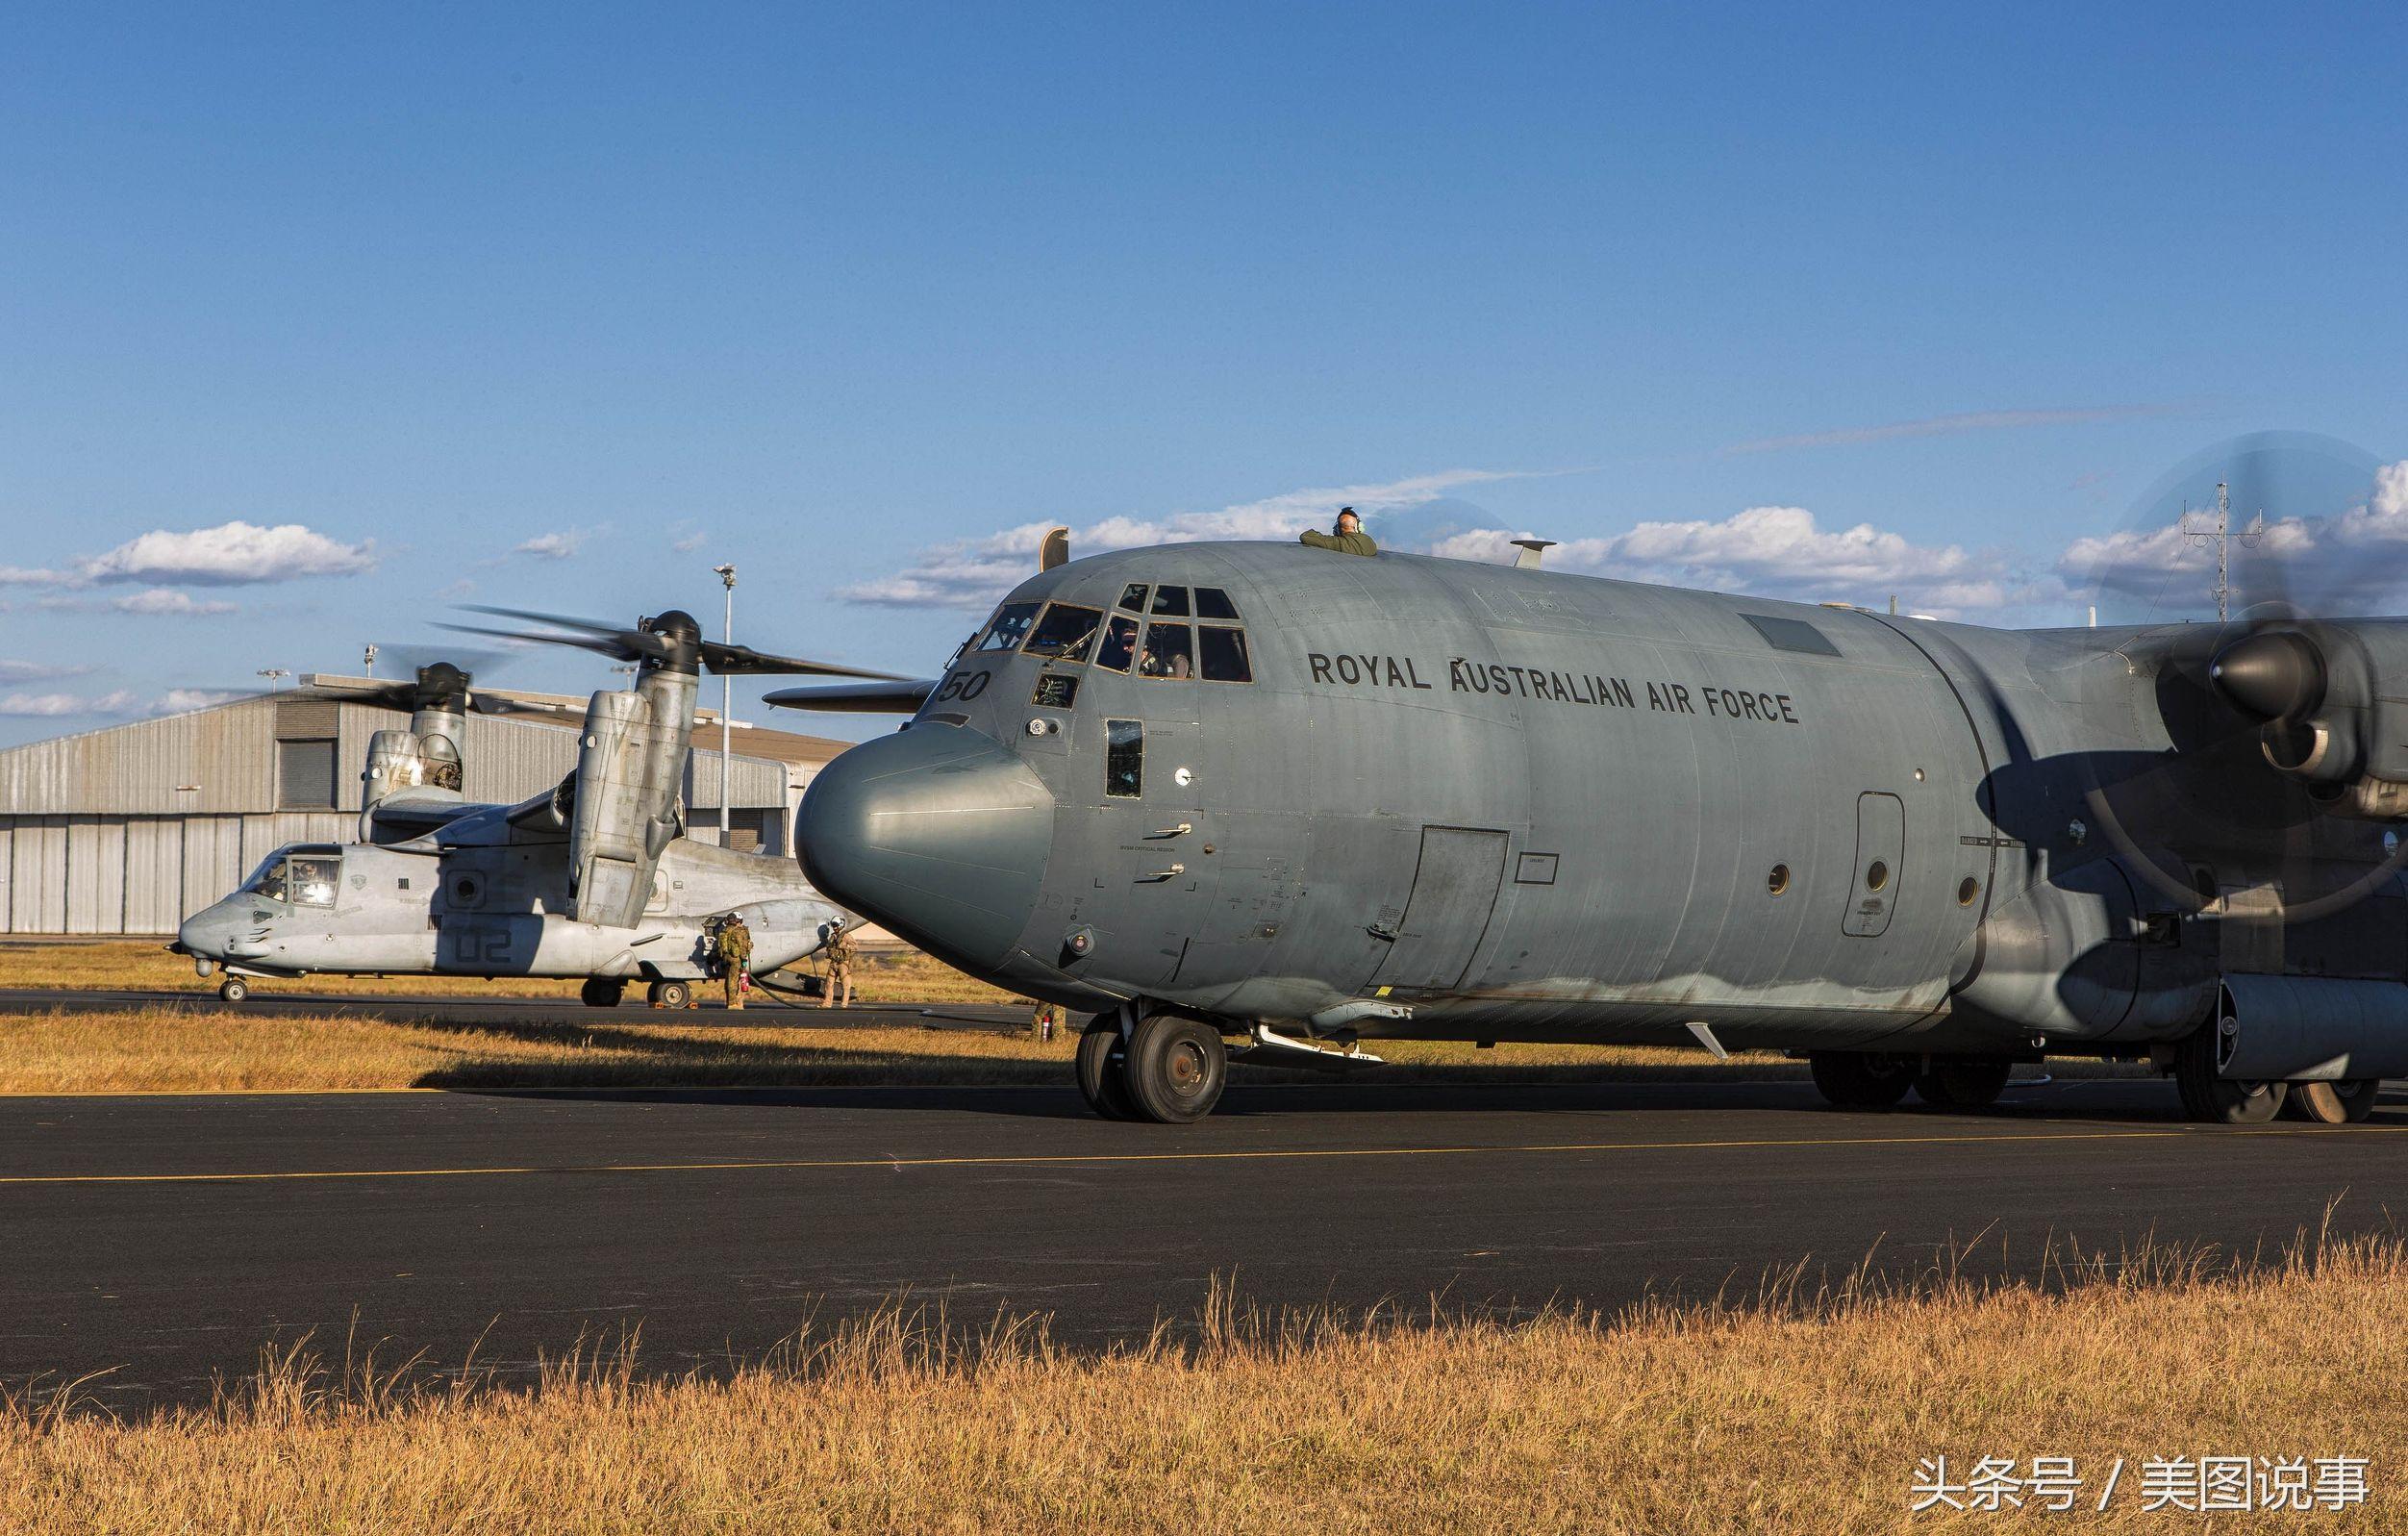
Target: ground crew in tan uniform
838,993
734,953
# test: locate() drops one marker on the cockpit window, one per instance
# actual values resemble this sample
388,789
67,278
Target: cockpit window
1169,651
1064,632
1133,597
312,879
307,879
1119,646
1225,659
1009,627
1171,600
1212,602
1124,759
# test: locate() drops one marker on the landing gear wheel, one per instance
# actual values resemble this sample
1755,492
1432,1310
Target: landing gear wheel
668,994
234,988
1099,1070
1963,1084
1174,1068
602,992
2216,1100
2343,1103
1855,1079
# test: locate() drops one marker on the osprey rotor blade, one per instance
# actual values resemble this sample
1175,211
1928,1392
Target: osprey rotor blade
624,644
556,621
739,660
901,696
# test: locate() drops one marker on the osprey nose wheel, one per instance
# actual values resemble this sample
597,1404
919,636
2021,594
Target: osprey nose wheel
234,988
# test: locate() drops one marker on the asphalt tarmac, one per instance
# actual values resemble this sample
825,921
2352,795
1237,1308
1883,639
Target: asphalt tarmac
166,1239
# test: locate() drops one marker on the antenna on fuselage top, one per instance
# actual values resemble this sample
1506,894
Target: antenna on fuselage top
1533,551
1055,549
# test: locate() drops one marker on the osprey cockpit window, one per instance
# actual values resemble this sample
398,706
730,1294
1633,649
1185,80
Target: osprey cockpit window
1124,759
1009,627
306,877
1213,602
1133,597
1064,633
1171,601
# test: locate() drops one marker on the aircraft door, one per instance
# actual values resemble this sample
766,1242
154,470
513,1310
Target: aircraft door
1156,882
1880,864
1454,895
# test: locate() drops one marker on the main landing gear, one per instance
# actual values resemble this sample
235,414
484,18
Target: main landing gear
1855,1079
1163,1069
602,992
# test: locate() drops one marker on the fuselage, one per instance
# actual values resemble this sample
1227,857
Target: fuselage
1404,795
422,908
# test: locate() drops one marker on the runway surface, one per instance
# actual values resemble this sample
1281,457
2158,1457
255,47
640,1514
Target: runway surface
444,1009
169,1238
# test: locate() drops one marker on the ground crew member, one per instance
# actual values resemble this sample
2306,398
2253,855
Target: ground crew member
839,992
1346,536
734,953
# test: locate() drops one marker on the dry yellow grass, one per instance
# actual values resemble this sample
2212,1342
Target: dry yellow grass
903,975
1797,1414
215,1049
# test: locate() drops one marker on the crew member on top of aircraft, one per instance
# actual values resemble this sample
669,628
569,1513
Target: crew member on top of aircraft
1346,536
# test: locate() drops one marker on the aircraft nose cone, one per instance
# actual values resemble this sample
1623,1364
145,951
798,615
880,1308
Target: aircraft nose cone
934,833
202,933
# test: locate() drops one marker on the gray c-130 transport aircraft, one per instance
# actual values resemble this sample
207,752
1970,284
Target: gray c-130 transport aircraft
1221,790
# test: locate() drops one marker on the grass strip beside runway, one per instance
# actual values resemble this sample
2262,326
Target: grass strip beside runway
226,1049
1805,1410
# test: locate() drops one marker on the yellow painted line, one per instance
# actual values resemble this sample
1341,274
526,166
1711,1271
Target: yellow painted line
1066,1159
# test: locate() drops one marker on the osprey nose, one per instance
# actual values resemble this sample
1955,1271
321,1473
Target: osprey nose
936,833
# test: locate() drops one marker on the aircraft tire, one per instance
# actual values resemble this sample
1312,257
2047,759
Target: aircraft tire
602,992
670,994
1963,1083
234,988
1855,1079
1174,1068
1099,1070
2215,1099
2343,1103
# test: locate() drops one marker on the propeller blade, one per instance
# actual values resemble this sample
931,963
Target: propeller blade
721,657
899,696
556,621
624,644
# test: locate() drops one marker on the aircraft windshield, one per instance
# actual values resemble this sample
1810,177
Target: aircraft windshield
307,879
1065,632
1008,628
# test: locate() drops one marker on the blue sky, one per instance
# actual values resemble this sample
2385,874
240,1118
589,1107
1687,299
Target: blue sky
844,295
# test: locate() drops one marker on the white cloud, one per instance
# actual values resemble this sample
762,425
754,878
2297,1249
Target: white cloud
27,576
1774,552
168,600
232,554
973,572
176,700
687,543
552,545
17,671
56,705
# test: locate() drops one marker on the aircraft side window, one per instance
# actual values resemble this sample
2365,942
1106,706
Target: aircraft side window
1133,597
313,880
1119,647
1212,602
1064,632
1224,654
1171,601
270,881
1124,757
1009,627
1169,652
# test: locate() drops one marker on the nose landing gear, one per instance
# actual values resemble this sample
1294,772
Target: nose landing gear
1162,1069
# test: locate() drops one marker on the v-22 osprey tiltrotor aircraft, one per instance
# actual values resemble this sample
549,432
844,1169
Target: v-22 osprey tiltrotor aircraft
592,878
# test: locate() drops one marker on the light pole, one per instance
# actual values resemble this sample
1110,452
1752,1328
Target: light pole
275,677
727,700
